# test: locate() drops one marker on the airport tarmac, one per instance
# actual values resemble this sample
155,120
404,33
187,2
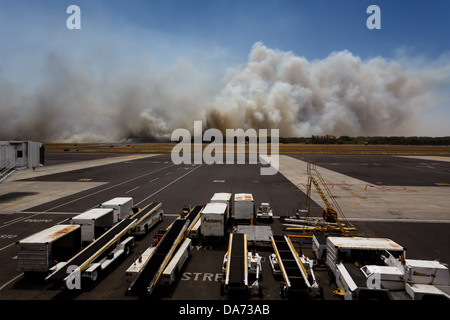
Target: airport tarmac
404,198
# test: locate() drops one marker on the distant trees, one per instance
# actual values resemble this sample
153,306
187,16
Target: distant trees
389,140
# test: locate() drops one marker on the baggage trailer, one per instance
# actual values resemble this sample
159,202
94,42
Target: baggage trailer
297,271
223,197
151,269
97,256
213,226
122,207
42,250
244,207
147,217
93,223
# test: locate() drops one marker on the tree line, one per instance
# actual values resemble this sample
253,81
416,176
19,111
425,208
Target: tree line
390,140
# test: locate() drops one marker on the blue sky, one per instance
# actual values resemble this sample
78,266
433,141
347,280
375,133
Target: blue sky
216,34
308,28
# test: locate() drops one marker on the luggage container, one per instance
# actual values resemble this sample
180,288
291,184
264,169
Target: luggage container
94,223
40,251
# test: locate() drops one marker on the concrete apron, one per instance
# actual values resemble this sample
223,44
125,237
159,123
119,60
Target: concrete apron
360,200
34,193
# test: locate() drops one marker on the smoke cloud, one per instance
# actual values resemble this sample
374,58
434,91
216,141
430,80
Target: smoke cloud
340,95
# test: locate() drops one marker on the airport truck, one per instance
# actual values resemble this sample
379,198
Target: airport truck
223,197
213,221
264,212
97,256
147,218
174,267
195,232
138,264
377,268
122,207
244,207
93,223
42,250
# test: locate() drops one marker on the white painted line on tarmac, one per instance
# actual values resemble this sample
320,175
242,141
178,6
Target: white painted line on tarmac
167,185
10,281
399,220
132,189
113,186
9,245
6,224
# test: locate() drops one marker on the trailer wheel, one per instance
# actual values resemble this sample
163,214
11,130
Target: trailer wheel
283,291
94,275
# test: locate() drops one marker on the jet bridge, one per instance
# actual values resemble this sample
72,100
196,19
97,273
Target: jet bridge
295,274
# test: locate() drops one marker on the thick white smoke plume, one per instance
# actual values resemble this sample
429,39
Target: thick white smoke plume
339,95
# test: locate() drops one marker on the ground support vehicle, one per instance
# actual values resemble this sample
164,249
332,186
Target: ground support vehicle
148,275
244,207
236,267
297,272
173,269
213,222
97,256
147,218
377,268
122,207
94,223
264,212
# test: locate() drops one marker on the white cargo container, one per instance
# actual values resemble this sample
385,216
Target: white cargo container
94,222
40,251
223,197
214,220
244,206
122,207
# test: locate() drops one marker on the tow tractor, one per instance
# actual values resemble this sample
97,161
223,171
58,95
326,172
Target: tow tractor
264,212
